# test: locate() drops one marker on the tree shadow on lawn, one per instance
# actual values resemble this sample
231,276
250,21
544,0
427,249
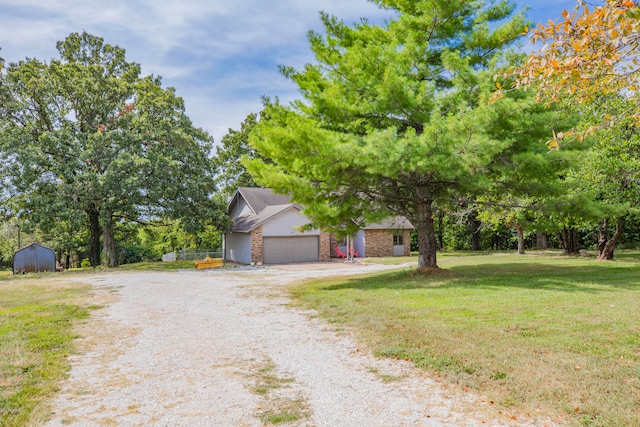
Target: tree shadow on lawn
595,278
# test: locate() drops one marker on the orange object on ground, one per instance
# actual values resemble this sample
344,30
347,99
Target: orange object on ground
209,262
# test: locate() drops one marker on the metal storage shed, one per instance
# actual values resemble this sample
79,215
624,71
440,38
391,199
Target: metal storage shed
34,258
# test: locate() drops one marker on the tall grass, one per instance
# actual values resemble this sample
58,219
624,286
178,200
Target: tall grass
36,329
541,335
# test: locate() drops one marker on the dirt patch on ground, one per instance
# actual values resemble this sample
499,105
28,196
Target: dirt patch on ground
222,348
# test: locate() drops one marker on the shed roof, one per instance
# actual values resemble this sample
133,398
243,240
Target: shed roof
34,245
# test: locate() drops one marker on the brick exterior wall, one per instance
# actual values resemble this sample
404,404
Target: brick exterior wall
256,245
325,246
378,243
333,246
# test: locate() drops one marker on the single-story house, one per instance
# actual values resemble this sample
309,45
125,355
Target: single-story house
34,258
265,230
390,237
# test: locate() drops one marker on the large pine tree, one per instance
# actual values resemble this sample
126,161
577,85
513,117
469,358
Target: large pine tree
395,118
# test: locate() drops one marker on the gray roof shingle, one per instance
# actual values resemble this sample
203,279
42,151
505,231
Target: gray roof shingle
396,222
260,198
265,204
246,223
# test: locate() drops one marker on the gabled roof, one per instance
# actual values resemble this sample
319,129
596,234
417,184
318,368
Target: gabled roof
264,205
247,223
398,223
260,198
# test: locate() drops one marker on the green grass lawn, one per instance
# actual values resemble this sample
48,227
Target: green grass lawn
399,260
37,314
536,334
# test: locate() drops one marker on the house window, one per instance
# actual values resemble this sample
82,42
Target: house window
398,237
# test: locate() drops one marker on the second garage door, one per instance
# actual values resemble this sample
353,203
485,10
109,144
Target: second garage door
284,250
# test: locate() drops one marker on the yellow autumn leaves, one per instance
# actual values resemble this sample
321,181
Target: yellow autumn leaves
587,54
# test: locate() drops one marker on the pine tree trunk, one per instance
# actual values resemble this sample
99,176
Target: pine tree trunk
520,231
94,236
607,246
475,232
426,235
109,245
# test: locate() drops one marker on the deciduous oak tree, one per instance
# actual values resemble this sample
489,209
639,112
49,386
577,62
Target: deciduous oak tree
590,52
87,133
610,171
233,147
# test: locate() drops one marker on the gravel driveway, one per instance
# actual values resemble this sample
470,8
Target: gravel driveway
221,348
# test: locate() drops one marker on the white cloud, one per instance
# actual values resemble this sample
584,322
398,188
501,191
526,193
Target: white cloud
221,56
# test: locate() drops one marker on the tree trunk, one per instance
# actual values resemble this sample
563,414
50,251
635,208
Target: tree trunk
607,246
574,242
475,232
440,231
67,261
541,240
109,244
426,235
520,231
19,238
603,236
564,241
94,236
569,241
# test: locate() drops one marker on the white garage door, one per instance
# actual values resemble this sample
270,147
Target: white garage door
283,250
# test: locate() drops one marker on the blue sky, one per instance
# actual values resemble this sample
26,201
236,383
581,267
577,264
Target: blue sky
222,56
